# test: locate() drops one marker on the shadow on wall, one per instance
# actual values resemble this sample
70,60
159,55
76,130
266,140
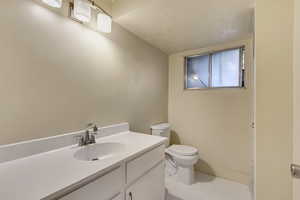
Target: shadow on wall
175,139
208,172
201,166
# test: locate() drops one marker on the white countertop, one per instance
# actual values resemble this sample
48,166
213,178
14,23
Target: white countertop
38,176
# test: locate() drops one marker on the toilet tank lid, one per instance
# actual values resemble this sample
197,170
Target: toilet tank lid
161,126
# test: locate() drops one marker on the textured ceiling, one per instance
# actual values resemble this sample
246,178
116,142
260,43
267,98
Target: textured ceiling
177,25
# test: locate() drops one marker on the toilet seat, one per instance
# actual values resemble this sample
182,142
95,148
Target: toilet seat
183,150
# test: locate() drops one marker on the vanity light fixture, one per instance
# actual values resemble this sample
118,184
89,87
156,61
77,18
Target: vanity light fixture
104,23
53,3
82,10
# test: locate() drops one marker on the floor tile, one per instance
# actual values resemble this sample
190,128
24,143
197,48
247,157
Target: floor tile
206,188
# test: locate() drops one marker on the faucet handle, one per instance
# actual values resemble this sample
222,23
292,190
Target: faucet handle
90,125
93,126
95,129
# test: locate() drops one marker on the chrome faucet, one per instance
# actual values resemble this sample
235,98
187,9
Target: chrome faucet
90,135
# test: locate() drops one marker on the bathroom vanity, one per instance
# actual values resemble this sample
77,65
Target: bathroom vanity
120,166
139,178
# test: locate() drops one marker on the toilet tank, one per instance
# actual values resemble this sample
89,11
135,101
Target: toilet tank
163,130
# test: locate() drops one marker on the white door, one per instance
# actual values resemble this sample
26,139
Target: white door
296,181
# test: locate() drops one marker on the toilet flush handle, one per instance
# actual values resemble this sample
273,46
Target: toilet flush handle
295,170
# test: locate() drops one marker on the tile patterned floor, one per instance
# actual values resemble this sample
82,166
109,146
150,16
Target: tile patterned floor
206,188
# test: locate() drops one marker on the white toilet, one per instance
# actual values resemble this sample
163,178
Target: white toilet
184,157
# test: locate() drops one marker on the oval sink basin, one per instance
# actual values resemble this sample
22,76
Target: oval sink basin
99,151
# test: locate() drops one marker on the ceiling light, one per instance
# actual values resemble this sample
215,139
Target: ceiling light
53,3
104,23
82,10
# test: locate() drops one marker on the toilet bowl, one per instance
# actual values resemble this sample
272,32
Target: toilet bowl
182,157
185,157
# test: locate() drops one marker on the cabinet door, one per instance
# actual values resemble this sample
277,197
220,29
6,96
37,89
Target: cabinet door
149,187
104,188
140,165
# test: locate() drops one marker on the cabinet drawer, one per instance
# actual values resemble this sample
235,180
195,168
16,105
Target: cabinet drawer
140,165
104,188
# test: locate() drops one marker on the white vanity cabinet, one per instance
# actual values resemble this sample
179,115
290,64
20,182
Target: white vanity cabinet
146,176
140,178
150,186
105,187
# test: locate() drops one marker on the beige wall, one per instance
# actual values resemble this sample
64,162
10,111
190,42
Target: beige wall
274,64
296,93
216,121
56,75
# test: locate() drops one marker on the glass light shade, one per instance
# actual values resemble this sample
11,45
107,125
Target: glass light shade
104,23
53,3
82,10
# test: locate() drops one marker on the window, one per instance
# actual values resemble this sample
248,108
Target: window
221,69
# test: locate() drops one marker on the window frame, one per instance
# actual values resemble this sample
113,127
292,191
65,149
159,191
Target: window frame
242,69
